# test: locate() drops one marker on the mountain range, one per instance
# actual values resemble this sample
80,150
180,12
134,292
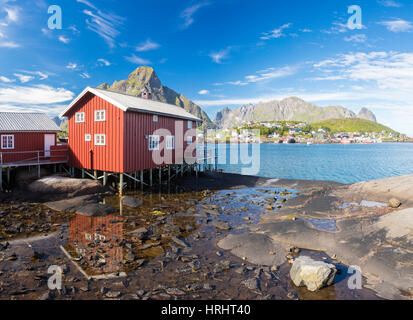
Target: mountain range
289,109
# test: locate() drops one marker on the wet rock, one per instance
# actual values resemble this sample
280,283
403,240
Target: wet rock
132,202
195,265
180,242
174,291
194,287
394,203
62,185
222,225
252,284
241,270
222,266
130,256
139,234
113,294
312,274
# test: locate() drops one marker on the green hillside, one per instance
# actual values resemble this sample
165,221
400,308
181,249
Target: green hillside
351,125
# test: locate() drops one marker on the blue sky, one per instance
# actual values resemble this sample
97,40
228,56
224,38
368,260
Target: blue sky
217,53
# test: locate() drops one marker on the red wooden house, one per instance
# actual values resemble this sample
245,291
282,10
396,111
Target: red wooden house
26,138
114,132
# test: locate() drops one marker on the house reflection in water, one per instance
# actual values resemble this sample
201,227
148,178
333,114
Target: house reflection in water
96,240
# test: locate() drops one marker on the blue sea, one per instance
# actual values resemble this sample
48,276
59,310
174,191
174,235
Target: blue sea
341,163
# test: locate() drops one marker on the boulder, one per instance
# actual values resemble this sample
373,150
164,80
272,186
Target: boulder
83,205
132,202
312,274
394,203
63,185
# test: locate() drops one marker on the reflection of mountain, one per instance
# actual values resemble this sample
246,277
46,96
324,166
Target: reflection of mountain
96,242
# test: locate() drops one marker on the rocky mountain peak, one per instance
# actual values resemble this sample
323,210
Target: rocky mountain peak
366,114
145,79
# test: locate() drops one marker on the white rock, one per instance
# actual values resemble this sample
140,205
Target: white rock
312,274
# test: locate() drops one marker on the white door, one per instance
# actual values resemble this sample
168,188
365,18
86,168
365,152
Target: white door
49,140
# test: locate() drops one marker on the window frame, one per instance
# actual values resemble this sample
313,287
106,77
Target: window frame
100,143
7,142
155,118
170,142
88,137
189,124
189,140
151,140
79,114
100,112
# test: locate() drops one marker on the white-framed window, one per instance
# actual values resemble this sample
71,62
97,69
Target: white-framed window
79,117
88,137
189,139
7,142
100,115
189,124
155,118
153,143
170,142
100,139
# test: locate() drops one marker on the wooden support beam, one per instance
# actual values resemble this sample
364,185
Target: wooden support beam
133,178
169,174
150,178
135,183
95,174
142,183
160,175
83,173
1,179
8,176
121,184
105,178
38,171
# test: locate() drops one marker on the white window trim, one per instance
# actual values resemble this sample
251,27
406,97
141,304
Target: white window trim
100,112
155,118
170,142
78,114
189,124
189,140
151,145
88,137
7,147
100,143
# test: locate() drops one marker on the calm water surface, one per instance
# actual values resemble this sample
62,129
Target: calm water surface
340,163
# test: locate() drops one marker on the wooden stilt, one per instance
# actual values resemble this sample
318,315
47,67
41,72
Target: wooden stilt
135,183
141,179
182,170
150,177
121,184
1,179
169,174
8,176
38,172
95,174
83,173
160,175
105,178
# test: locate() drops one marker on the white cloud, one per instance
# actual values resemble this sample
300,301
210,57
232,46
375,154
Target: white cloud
203,92
12,14
71,66
64,39
40,94
390,3
41,75
217,57
337,28
104,62
359,38
398,25
147,46
276,33
189,12
5,79
23,77
263,75
85,75
9,44
137,60
104,24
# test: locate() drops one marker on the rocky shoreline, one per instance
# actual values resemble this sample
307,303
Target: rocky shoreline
221,236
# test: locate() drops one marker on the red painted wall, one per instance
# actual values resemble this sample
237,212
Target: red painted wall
24,141
126,147
86,155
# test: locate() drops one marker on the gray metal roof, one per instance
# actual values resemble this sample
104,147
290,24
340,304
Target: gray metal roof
20,121
131,103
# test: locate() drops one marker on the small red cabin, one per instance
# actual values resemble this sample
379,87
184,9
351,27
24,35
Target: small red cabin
115,132
26,137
